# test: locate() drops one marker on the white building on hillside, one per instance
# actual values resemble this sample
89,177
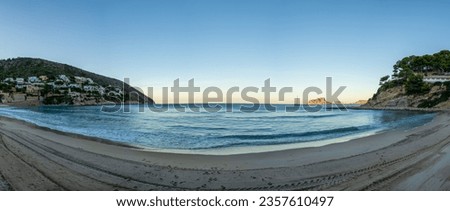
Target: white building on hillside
20,80
33,79
9,80
436,78
43,77
89,80
64,78
98,89
75,86
79,79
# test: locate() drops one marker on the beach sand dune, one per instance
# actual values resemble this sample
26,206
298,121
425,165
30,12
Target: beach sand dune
36,158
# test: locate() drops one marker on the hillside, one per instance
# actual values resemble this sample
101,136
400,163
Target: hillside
416,82
32,67
360,102
318,101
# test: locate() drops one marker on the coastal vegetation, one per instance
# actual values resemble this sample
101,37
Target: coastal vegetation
416,81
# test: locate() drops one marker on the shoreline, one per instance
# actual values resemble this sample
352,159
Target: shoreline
238,150
233,150
401,109
33,158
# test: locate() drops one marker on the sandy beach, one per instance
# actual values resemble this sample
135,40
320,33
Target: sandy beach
36,158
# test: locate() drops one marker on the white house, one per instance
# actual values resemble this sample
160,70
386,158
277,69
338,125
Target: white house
101,90
98,89
79,79
33,79
64,78
9,80
43,78
436,78
21,86
20,80
90,88
75,86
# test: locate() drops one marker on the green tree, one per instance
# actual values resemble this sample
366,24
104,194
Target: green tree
415,85
47,89
384,79
441,61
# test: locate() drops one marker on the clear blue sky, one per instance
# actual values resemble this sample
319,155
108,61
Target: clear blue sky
228,43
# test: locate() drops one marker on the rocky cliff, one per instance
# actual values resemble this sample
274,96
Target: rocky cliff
416,82
436,97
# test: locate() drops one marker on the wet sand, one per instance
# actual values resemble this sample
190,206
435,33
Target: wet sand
36,158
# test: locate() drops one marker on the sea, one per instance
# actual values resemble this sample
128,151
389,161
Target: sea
223,129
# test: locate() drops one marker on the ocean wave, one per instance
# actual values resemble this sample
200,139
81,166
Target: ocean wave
287,117
295,135
197,127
